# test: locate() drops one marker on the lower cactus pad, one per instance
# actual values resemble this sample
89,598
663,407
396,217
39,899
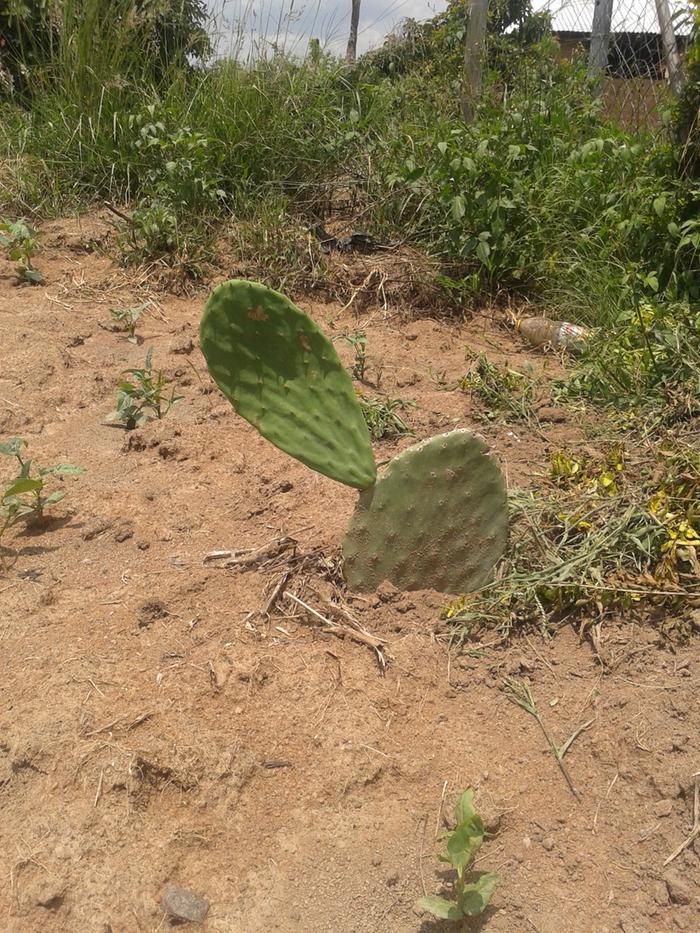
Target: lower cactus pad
435,519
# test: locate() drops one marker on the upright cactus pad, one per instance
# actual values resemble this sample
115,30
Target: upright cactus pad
435,519
283,375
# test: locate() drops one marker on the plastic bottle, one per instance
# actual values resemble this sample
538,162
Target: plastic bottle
540,332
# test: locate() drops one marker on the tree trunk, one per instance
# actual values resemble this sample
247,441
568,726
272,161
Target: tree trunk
600,40
474,50
351,54
668,41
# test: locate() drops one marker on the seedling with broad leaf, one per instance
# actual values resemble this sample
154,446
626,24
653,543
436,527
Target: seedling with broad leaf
20,242
144,397
25,497
127,318
472,890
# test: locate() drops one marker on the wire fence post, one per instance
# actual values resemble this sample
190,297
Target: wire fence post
474,51
600,41
668,42
351,52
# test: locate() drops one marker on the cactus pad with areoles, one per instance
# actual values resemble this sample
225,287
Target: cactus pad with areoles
284,376
435,519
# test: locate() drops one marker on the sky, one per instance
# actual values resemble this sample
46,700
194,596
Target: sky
247,24
295,21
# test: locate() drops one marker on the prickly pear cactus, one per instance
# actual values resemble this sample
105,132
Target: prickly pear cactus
435,519
283,375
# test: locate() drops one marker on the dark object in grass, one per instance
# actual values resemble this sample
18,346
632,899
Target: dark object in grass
357,242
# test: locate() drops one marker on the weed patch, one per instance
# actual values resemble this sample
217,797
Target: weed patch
504,391
382,417
602,536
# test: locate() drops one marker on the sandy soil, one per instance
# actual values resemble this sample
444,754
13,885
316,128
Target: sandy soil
152,730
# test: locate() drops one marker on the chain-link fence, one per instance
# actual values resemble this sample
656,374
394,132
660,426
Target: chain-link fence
633,54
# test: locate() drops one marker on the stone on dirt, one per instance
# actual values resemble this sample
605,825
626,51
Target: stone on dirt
183,905
679,890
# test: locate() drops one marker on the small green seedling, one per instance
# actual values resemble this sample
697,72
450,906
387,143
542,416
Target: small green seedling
471,894
127,318
358,341
143,398
20,242
25,496
382,417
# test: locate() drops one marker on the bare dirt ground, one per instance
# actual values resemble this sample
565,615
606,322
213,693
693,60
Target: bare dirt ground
153,731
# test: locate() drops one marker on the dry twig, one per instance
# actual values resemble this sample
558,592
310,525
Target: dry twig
695,832
334,628
520,694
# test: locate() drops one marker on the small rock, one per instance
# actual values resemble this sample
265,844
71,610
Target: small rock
392,880
520,665
678,890
527,842
551,414
663,808
666,787
135,440
143,545
491,820
123,535
695,619
181,345
48,598
170,452
49,894
219,672
660,894
62,851
150,612
184,906
405,605
95,529
387,592
548,843
632,924
376,861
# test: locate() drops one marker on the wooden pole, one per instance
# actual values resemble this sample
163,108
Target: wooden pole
351,53
474,52
668,42
600,41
